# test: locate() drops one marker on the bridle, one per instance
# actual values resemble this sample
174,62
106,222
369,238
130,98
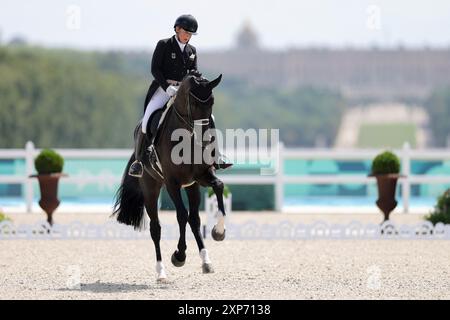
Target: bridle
191,124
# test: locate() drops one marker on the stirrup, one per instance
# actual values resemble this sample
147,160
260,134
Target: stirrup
154,161
136,172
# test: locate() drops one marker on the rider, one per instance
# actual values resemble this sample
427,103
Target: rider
172,59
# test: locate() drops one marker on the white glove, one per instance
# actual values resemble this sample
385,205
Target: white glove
171,91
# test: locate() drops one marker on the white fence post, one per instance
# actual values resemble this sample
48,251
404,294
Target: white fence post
406,170
29,154
279,184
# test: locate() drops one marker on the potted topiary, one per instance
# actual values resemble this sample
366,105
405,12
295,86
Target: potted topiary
441,211
386,168
49,165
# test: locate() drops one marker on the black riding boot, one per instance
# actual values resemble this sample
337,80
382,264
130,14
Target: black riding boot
136,168
220,160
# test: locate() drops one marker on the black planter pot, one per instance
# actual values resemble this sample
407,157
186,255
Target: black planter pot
387,185
48,185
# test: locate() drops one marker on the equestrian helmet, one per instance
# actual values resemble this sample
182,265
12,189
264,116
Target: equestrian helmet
187,22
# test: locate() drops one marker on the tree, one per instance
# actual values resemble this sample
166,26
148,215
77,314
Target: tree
438,107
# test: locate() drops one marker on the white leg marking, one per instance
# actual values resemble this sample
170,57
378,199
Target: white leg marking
160,270
220,226
204,255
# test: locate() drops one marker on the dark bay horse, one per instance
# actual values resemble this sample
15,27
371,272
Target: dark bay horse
190,111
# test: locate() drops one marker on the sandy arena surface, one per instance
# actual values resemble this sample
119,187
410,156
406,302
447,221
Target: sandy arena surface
251,269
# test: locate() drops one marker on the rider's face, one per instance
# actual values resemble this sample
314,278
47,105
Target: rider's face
183,35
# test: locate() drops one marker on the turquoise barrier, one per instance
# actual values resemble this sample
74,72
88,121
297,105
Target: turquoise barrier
245,197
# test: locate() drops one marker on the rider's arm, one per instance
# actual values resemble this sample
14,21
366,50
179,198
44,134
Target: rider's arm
157,63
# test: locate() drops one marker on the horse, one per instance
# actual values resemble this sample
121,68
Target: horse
191,110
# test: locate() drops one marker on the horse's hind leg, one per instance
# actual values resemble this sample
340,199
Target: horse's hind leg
193,193
151,189
179,256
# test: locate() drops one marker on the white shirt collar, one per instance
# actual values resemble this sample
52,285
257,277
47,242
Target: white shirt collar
182,45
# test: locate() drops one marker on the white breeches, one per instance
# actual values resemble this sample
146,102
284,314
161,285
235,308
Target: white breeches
158,100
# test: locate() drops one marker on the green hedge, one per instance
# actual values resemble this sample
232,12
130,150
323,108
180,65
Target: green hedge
4,217
441,211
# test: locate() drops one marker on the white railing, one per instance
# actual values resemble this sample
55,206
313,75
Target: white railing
278,179
249,230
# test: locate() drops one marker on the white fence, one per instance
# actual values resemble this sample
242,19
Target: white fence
250,230
278,178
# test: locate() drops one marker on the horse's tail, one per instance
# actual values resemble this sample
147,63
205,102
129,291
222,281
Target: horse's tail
129,201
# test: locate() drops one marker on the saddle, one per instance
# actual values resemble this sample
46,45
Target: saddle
153,126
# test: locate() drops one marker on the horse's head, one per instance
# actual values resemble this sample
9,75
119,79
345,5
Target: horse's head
199,90
195,100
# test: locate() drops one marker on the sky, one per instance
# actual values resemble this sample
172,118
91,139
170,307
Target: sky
281,24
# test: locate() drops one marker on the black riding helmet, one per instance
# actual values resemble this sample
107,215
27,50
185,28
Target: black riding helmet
187,22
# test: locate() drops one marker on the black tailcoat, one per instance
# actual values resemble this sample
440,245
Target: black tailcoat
169,63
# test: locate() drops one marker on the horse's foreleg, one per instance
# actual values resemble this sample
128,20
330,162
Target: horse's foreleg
210,179
218,232
193,193
179,256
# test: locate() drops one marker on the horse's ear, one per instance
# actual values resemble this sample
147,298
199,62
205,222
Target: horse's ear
215,82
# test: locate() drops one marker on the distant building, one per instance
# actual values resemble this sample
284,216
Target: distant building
360,74
247,38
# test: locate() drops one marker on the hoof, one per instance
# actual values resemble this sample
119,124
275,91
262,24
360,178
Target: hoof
217,236
207,268
176,262
162,280
162,277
